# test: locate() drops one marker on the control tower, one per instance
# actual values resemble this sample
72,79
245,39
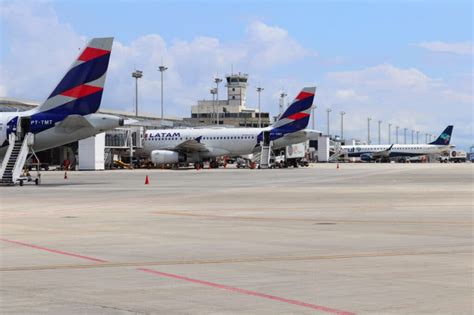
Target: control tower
237,89
233,111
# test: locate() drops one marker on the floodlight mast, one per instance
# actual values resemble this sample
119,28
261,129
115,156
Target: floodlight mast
162,69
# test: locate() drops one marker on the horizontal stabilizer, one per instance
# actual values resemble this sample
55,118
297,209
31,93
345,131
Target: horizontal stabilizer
74,122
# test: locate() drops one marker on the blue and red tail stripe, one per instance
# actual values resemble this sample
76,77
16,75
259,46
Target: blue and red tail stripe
302,103
91,53
295,118
84,72
80,90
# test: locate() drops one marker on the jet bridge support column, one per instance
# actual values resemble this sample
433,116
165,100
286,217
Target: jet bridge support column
323,149
91,153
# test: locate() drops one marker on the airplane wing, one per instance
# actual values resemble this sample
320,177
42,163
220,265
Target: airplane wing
383,153
297,135
188,146
73,122
305,134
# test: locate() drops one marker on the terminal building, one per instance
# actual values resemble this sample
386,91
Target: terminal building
230,112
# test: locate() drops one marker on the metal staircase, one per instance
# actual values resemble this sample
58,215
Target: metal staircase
14,159
265,155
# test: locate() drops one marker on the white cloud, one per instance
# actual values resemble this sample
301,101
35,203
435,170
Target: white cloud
385,76
406,97
460,48
268,46
458,97
39,47
43,46
349,95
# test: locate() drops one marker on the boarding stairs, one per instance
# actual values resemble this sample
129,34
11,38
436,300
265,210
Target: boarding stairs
265,155
14,159
338,153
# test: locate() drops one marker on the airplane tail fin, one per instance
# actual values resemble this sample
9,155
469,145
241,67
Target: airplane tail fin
80,90
445,136
296,116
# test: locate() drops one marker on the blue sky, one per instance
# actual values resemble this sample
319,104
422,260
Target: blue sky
404,62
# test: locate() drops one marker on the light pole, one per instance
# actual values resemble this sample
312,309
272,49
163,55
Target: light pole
328,110
213,92
412,136
426,138
137,74
389,133
397,127
342,124
417,139
259,90
368,129
282,102
217,81
162,69
380,122
405,135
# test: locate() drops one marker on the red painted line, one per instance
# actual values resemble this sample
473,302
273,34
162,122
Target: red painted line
53,250
207,283
248,292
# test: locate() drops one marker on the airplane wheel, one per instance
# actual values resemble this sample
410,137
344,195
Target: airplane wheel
197,165
21,182
214,164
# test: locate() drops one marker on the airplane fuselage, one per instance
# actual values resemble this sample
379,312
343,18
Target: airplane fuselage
398,150
219,141
47,130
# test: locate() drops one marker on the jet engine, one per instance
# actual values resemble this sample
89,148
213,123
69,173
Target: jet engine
167,157
367,157
104,122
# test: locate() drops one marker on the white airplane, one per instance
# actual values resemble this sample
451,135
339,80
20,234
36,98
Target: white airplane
197,145
371,153
69,113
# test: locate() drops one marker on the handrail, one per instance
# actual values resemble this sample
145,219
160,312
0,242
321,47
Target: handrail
6,157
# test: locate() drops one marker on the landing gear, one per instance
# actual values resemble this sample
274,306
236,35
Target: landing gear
213,164
198,165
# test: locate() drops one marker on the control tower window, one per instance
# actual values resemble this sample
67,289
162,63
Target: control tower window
233,89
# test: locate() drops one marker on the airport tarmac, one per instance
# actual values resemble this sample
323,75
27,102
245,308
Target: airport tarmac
364,239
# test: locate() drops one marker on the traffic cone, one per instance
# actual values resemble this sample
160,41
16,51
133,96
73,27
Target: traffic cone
147,181
65,175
